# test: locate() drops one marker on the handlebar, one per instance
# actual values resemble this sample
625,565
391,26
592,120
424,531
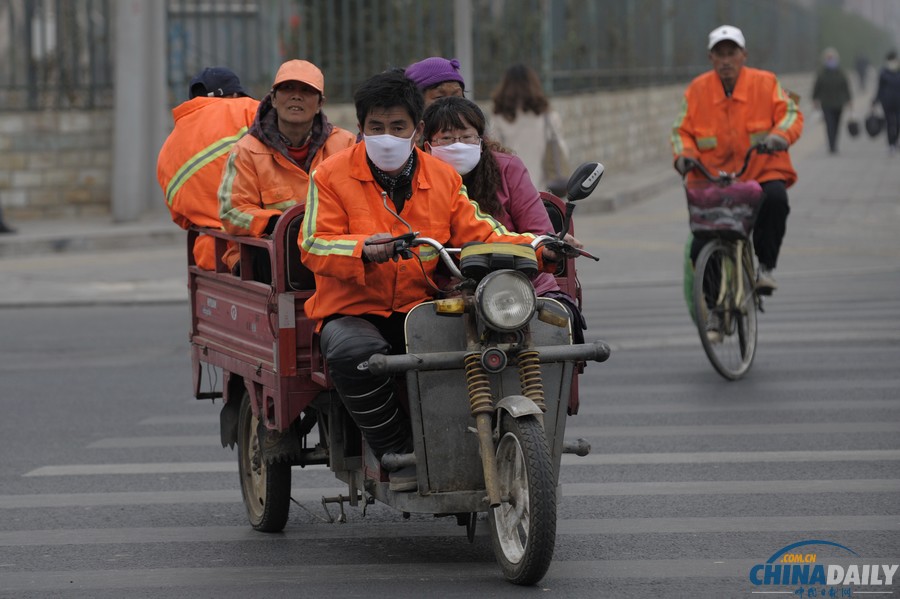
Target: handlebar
403,244
558,244
726,178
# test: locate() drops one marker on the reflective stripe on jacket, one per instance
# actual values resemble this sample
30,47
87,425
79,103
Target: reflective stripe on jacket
345,207
190,163
260,182
718,130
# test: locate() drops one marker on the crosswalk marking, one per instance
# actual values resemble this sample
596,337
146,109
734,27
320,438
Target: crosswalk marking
443,527
749,487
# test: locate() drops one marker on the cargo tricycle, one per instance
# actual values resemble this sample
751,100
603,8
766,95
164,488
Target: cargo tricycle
489,377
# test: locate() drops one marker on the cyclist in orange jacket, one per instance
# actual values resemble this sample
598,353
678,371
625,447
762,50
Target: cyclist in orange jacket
189,168
724,112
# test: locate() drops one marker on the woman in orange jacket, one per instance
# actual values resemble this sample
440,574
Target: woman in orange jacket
269,169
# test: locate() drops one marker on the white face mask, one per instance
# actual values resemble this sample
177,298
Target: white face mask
462,157
388,152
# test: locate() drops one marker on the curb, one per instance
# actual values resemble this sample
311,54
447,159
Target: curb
98,240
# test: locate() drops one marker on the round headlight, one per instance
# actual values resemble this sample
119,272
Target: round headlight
505,300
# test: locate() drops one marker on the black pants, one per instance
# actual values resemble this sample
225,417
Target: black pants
892,119
769,229
347,343
832,126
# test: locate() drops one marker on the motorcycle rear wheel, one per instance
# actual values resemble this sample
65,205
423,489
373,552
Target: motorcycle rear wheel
266,488
523,527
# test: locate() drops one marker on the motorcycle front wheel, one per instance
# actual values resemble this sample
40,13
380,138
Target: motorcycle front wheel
266,487
523,526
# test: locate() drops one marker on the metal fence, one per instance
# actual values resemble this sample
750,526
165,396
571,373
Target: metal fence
59,53
55,54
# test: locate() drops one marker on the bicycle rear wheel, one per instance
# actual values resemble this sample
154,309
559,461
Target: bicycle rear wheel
717,294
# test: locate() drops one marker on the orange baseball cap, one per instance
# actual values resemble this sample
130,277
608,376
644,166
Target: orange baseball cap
302,71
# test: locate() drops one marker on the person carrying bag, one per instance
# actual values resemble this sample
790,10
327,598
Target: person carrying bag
556,157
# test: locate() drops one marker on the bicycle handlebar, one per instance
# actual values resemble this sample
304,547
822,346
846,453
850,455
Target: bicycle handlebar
724,177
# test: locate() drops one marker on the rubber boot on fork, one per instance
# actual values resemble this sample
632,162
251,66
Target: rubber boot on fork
348,343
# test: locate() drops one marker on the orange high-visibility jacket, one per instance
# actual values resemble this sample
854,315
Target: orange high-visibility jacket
718,130
260,182
345,207
192,158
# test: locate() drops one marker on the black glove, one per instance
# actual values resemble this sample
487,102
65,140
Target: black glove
683,164
776,143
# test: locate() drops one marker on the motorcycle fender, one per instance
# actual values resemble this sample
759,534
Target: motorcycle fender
518,406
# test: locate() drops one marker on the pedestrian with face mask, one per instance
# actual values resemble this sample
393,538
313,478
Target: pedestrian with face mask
376,190
831,95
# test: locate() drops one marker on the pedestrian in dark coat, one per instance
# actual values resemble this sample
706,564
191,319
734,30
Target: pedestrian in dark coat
888,95
831,93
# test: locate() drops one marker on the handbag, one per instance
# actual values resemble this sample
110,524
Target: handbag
555,162
853,127
874,124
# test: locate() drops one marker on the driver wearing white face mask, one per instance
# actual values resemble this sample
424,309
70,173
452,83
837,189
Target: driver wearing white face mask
367,193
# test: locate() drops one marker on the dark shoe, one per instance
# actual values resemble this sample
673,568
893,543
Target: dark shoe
6,228
404,479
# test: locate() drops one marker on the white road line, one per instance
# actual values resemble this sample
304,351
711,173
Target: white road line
779,428
732,487
398,576
439,528
655,407
150,468
711,457
733,457
158,441
768,487
211,418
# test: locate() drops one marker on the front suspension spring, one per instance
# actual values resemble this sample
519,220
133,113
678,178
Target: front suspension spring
479,385
530,377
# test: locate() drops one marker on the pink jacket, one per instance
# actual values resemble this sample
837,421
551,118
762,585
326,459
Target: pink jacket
525,212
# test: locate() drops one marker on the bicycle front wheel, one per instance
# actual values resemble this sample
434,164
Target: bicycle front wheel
725,308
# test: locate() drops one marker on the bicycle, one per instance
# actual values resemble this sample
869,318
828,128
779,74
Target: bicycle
725,297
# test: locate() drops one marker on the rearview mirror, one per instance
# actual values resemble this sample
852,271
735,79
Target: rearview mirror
583,181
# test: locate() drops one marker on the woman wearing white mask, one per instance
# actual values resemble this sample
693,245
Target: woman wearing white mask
494,178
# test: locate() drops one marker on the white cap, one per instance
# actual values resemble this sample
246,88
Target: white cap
726,32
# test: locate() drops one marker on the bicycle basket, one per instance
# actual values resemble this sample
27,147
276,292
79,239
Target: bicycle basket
723,211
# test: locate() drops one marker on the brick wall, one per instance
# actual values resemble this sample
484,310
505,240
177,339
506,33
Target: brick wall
57,164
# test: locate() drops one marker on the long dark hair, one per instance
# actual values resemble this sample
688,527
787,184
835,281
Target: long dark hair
520,89
482,183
